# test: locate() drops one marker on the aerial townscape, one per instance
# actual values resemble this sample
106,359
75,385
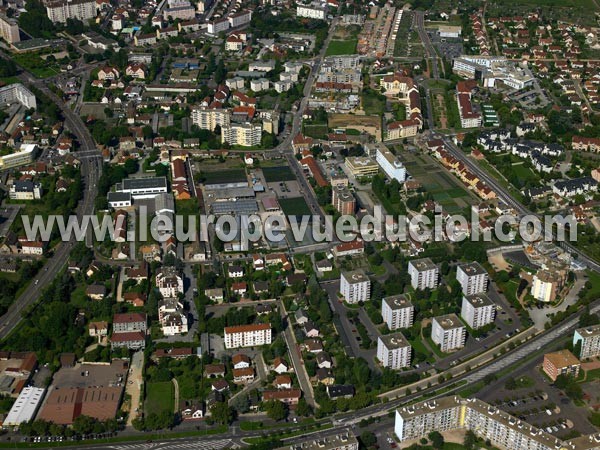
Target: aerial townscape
173,175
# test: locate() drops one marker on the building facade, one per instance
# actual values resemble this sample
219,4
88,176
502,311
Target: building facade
472,277
355,286
448,332
397,312
247,335
394,351
423,274
242,134
478,310
61,10
589,337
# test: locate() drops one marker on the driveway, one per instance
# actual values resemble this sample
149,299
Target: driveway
134,384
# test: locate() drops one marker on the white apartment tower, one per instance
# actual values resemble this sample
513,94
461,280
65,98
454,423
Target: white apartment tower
448,332
397,312
355,286
478,310
472,277
394,351
423,273
590,341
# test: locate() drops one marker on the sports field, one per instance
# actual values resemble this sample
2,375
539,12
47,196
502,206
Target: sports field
277,174
345,47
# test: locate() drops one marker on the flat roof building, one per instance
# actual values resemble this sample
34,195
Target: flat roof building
143,187
355,286
394,351
562,362
397,312
478,310
423,273
590,341
25,407
448,332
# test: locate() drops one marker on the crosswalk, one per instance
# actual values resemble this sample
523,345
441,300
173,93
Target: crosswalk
195,444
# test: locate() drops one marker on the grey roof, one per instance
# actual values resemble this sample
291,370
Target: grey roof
397,302
449,321
422,264
355,276
479,300
142,183
119,196
473,268
395,340
244,206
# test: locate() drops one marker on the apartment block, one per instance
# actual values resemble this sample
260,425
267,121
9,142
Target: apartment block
18,93
209,118
61,10
343,200
486,421
355,286
9,29
394,351
242,134
397,312
478,310
472,277
423,274
589,337
248,335
562,362
448,332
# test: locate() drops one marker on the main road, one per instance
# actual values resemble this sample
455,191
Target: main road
91,169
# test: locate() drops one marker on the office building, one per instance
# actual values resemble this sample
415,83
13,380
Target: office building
248,335
589,337
17,93
397,312
355,286
478,310
61,10
9,29
242,134
562,362
472,277
423,273
143,187
448,332
394,351
392,167
361,166
25,155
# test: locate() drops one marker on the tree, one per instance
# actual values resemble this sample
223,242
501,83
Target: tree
368,438
276,410
241,403
437,440
470,440
303,408
222,413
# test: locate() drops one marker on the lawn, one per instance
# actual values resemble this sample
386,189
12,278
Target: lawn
295,206
345,47
36,65
525,174
317,131
159,397
224,176
373,102
277,174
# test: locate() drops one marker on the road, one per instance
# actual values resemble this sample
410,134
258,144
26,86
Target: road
504,195
91,169
429,50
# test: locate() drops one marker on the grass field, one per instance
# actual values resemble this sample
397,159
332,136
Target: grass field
295,206
279,173
345,47
317,131
159,397
224,176
373,103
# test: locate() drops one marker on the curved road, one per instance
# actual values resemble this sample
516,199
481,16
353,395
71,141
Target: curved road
91,169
